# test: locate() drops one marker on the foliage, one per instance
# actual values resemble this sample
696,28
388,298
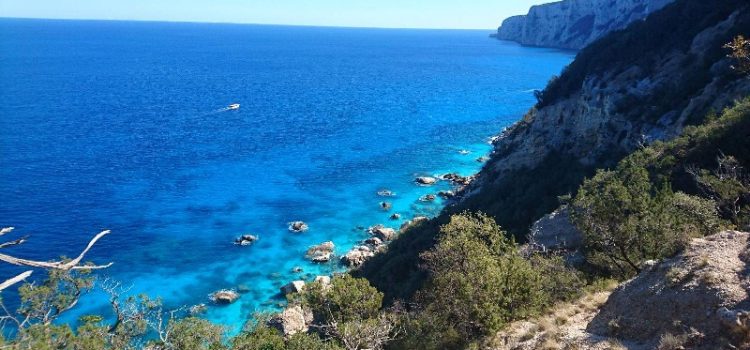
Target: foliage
740,54
43,303
631,214
194,333
302,341
259,338
627,220
479,281
559,281
346,299
669,30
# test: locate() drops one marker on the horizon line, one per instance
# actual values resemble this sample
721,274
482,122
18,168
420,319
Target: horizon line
239,23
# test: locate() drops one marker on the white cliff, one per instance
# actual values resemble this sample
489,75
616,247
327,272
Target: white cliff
572,24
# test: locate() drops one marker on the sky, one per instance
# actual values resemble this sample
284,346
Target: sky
454,14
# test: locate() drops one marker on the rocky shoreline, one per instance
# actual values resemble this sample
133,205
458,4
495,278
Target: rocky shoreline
289,321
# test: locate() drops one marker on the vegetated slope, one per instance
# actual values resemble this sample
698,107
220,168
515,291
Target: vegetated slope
634,86
573,24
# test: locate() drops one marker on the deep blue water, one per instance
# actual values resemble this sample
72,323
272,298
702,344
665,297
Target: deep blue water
120,125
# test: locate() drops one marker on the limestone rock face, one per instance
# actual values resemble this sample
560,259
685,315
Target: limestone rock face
357,256
705,288
603,116
382,232
556,231
573,24
293,287
291,321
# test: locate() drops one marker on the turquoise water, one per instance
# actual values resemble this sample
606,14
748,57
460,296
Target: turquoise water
121,125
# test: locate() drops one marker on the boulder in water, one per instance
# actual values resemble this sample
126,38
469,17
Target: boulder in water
426,180
224,296
245,240
321,252
298,226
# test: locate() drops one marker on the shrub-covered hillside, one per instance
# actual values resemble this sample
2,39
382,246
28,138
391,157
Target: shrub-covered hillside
631,88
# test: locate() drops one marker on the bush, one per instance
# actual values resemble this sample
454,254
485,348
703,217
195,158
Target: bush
346,299
626,219
478,280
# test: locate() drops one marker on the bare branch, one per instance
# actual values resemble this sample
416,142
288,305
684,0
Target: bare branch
59,265
14,280
12,243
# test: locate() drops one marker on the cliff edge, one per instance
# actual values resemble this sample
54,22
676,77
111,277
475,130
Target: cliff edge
573,24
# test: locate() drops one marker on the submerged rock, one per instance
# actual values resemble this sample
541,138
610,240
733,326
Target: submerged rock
426,180
293,287
199,309
224,296
428,198
386,193
321,252
243,288
386,206
298,226
483,159
396,216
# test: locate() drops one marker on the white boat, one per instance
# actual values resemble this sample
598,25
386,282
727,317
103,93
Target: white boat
234,106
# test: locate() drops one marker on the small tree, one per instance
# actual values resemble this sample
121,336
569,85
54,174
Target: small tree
346,299
625,219
740,54
478,280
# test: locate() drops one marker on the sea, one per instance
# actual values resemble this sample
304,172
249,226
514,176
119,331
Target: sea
124,126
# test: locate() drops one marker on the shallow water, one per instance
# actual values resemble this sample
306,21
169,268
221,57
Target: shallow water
122,125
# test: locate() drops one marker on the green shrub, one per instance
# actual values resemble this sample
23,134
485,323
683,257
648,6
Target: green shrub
479,282
626,219
346,299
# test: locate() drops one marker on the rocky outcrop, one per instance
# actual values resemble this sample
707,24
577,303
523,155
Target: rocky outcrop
382,232
705,288
556,231
620,93
573,24
293,287
292,320
357,256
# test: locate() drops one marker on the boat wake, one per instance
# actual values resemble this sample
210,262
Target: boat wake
232,107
